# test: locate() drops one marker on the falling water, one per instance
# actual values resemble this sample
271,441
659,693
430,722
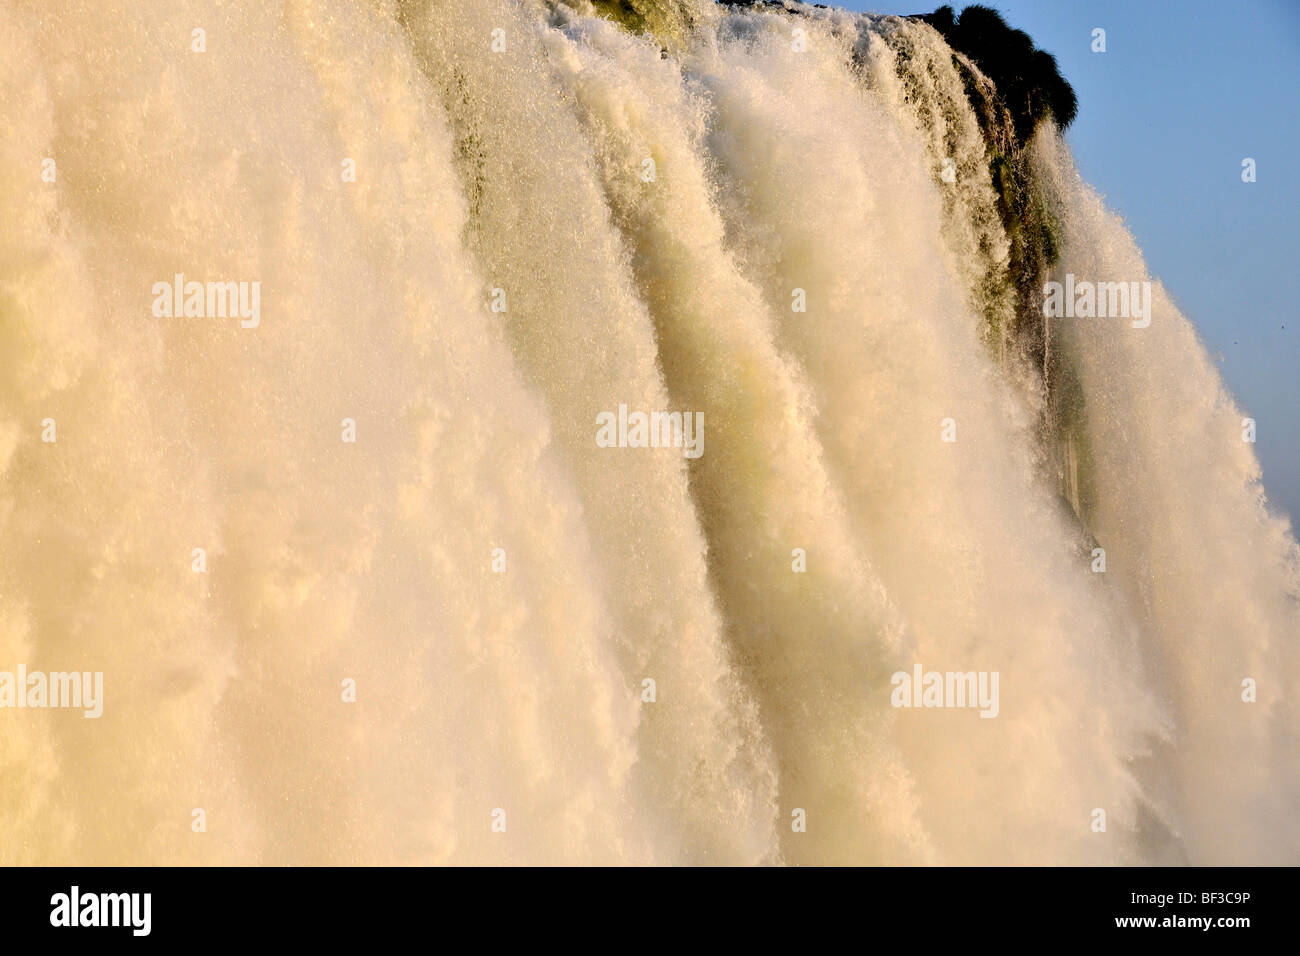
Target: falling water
562,652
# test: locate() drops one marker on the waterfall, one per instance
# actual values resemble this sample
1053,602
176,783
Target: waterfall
363,584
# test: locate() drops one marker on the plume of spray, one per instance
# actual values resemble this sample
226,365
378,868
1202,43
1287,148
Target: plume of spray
618,655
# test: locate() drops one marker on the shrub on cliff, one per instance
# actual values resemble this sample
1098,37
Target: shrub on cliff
1027,78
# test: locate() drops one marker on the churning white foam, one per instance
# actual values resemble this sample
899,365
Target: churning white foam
501,588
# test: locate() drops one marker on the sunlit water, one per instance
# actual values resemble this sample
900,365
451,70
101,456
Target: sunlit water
498,585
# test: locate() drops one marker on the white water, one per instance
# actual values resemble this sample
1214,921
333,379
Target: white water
521,690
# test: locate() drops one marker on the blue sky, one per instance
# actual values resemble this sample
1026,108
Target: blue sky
1182,94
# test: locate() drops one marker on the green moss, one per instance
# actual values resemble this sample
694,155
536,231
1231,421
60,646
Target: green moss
668,21
1013,88
1026,90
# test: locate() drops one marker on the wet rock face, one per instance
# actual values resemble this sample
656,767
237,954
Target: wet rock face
1023,88
667,20
1012,87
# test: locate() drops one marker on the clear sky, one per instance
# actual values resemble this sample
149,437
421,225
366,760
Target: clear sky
1183,93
